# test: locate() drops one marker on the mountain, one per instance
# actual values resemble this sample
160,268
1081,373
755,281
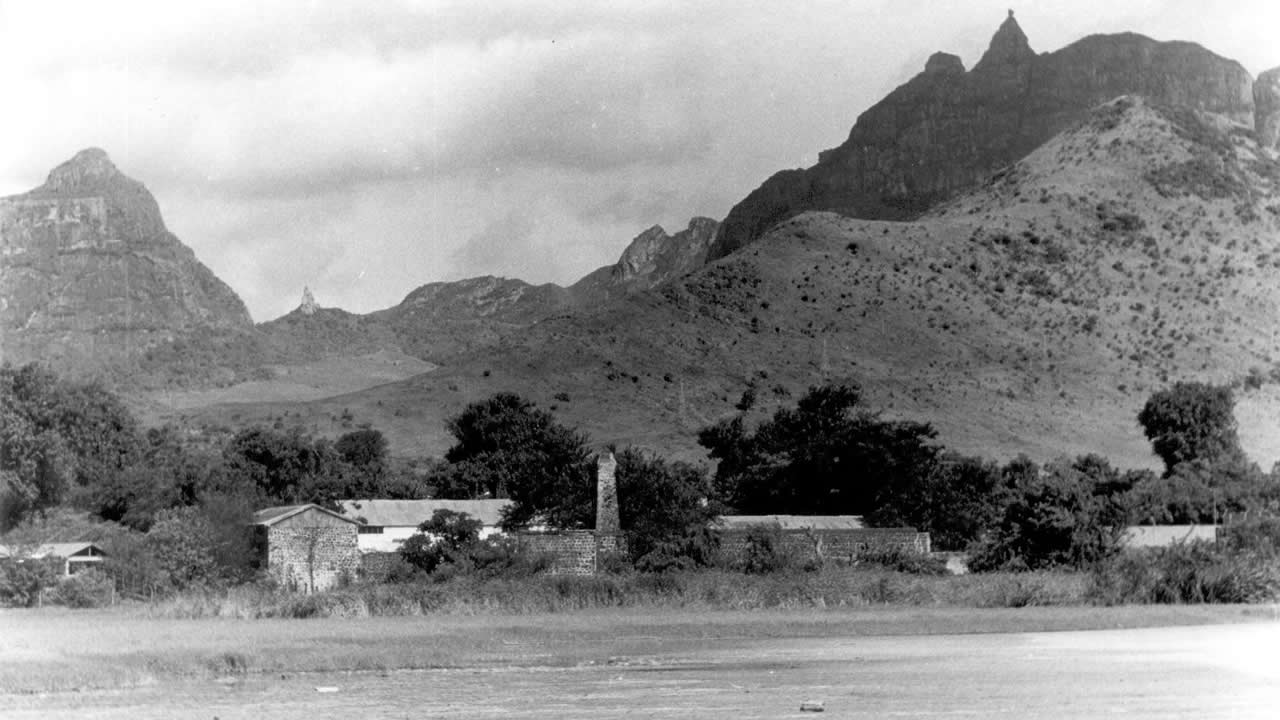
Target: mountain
90,276
947,129
652,258
442,319
1032,314
92,282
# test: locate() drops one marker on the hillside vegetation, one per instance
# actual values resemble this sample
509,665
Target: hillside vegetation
1032,315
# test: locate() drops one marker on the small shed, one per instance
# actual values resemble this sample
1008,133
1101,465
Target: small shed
385,524
74,556
307,547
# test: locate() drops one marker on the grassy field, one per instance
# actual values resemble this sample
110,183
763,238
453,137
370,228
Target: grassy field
57,650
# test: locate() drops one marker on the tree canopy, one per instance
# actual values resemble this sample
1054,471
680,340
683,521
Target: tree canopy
826,456
1191,421
508,447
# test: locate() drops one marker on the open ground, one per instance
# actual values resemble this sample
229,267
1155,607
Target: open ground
875,662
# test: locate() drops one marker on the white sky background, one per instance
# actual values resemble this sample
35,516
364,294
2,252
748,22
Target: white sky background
367,148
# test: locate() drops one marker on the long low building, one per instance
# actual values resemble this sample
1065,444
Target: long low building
385,524
1145,536
73,556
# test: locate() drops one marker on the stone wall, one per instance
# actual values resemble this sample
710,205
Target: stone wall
829,545
311,559
572,552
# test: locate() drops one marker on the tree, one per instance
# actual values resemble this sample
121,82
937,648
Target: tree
449,537
664,511
958,501
1072,514
58,441
286,467
507,447
1191,421
825,456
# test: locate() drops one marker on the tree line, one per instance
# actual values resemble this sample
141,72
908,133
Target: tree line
74,445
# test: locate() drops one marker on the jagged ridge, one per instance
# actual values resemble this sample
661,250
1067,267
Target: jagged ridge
946,130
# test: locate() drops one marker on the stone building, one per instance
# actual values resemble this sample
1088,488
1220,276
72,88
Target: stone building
69,558
306,547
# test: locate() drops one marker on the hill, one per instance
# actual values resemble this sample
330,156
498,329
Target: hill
1033,314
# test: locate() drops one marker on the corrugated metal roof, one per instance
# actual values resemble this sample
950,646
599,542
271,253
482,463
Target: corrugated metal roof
273,515
792,522
1138,536
61,550
412,513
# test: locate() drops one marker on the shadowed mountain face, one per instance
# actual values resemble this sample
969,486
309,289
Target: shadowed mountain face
946,129
88,272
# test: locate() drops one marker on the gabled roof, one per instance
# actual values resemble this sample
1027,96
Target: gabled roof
412,513
61,550
792,522
272,515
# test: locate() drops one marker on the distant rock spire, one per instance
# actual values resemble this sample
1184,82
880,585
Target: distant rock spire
1008,46
308,306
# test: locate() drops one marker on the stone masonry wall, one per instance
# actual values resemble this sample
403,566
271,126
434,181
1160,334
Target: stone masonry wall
311,559
831,545
572,552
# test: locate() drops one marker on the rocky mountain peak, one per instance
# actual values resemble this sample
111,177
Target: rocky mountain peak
90,278
1009,46
944,64
86,170
126,210
946,130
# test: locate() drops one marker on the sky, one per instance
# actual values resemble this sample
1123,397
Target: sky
366,148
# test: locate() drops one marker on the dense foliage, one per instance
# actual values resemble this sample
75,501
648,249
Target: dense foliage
1191,421
825,456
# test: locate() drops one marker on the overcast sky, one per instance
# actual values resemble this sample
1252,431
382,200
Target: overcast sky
365,148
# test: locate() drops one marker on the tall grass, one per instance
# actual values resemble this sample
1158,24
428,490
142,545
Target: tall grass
1194,572
700,590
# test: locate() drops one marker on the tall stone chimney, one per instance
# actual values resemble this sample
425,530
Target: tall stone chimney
607,520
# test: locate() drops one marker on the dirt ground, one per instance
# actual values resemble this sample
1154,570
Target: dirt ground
1226,671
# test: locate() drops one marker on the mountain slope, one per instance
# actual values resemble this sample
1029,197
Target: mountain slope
1034,314
946,129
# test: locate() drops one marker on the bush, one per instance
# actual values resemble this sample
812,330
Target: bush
1194,572
87,589
765,551
906,562
22,581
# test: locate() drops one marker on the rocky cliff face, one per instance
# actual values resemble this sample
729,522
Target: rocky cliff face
89,274
1266,100
652,258
946,129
